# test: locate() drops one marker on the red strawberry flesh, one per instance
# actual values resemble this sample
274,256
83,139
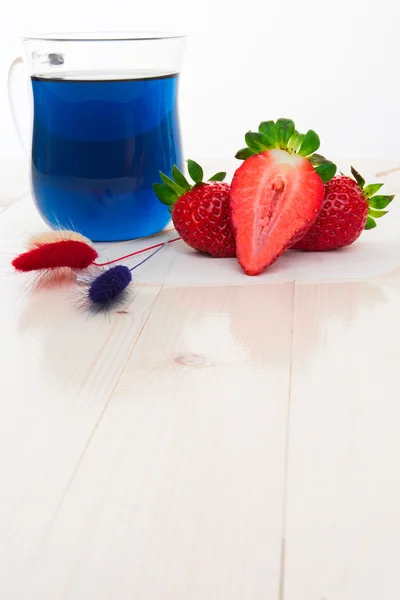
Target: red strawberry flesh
275,199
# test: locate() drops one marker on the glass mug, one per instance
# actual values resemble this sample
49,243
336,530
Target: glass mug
105,122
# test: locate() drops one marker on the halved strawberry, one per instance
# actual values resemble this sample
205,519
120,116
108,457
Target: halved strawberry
276,194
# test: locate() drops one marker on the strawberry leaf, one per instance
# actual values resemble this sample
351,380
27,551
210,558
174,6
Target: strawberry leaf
266,141
171,184
370,224
377,214
295,141
244,153
257,142
318,159
326,171
309,144
370,190
195,171
284,131
268,129
380,201
165,194
180,178
360,180
218,177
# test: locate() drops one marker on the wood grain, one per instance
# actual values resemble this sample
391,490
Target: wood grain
180,492
58,371
342,521
142,457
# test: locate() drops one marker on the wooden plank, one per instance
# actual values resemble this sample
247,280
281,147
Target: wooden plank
342,518
14,177
18,221
58,371
179,495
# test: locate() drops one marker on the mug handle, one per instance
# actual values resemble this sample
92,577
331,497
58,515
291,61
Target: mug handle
21,125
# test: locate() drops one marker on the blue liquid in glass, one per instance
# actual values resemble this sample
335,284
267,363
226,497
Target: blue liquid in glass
98,146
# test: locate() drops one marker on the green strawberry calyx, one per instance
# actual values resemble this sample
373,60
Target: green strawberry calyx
283,135
171,189
375,201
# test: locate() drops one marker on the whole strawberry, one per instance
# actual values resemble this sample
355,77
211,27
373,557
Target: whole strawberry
200,212
349,207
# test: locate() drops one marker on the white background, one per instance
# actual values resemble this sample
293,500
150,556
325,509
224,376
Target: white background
331,66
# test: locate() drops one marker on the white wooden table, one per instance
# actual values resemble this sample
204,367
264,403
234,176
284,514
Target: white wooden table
211,443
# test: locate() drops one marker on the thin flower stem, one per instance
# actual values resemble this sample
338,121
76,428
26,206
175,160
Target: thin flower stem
110,262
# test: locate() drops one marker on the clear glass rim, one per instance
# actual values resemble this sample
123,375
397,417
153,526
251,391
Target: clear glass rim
104,36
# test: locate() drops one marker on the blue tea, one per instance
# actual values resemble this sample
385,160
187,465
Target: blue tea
97,149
